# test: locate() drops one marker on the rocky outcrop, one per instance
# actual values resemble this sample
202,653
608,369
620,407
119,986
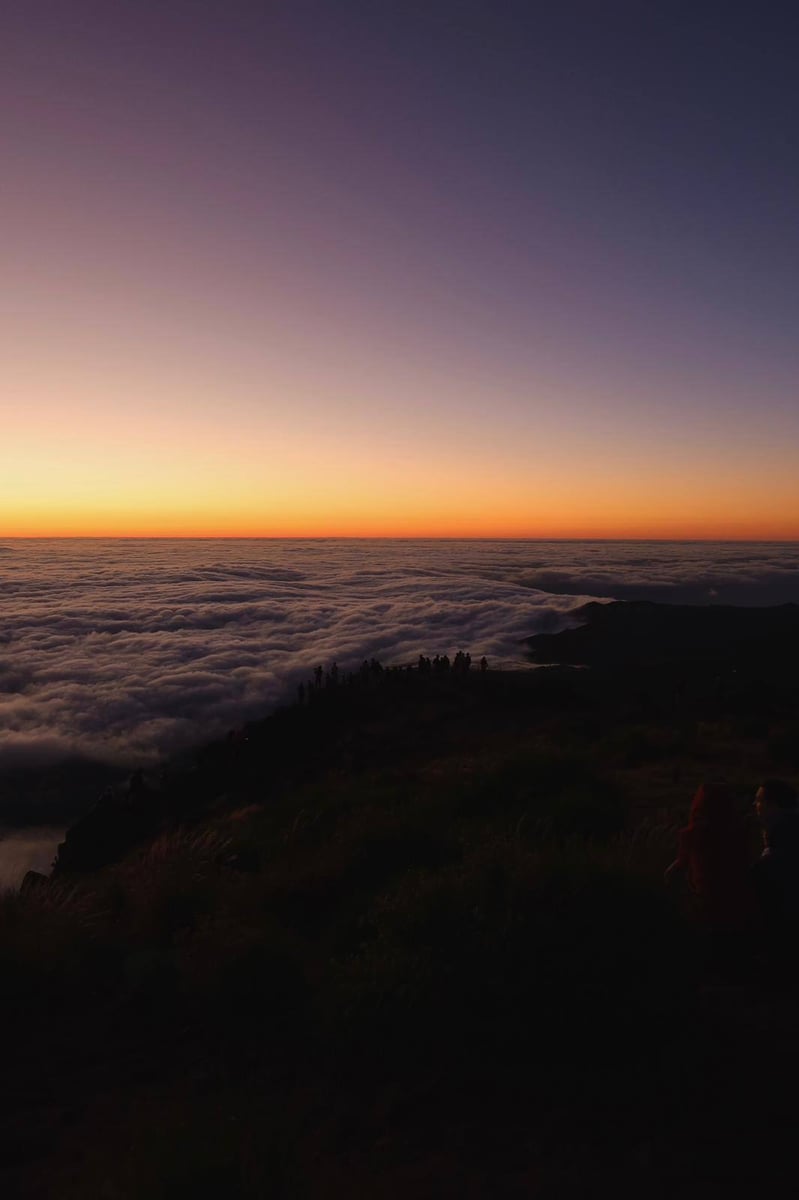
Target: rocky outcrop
117,824
33,880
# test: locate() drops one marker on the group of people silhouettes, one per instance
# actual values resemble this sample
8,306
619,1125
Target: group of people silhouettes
442,663
743,874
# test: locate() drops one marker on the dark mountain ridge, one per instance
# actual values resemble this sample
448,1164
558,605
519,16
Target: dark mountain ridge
644,634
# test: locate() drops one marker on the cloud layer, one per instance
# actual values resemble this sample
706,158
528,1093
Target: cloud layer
122,651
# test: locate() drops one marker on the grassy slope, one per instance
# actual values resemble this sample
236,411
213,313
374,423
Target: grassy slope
410,938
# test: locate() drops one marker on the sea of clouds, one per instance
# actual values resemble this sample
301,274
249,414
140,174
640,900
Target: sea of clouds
124,651
121,652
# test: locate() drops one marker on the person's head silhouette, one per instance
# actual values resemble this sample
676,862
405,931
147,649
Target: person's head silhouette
774,796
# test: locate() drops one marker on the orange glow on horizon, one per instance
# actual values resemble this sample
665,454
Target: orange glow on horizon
97,461
133,525
207,493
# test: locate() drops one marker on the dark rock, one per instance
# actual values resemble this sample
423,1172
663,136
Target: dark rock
112,829
33,881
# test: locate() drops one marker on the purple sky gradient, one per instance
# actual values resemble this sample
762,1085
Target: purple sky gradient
472,235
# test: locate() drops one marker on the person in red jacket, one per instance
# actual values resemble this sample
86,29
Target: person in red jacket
715,854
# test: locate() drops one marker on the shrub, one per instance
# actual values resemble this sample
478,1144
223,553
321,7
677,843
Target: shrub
559,794
513,951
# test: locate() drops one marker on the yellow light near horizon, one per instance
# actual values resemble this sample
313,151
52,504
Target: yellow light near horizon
364,512
84,471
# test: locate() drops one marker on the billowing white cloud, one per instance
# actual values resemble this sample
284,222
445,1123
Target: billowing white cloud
123,651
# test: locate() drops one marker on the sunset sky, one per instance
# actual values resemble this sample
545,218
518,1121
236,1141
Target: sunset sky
371,268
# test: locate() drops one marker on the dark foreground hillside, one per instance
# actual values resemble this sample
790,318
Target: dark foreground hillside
406,938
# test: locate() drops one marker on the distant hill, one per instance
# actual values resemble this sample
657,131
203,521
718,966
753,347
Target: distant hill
642,634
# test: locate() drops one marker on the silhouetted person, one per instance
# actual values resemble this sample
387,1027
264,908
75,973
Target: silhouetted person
484,663
715,855
776,873
778,813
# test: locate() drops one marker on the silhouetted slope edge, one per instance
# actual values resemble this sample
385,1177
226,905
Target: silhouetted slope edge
407,936
649,660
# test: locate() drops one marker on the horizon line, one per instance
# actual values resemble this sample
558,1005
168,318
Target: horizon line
233,537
